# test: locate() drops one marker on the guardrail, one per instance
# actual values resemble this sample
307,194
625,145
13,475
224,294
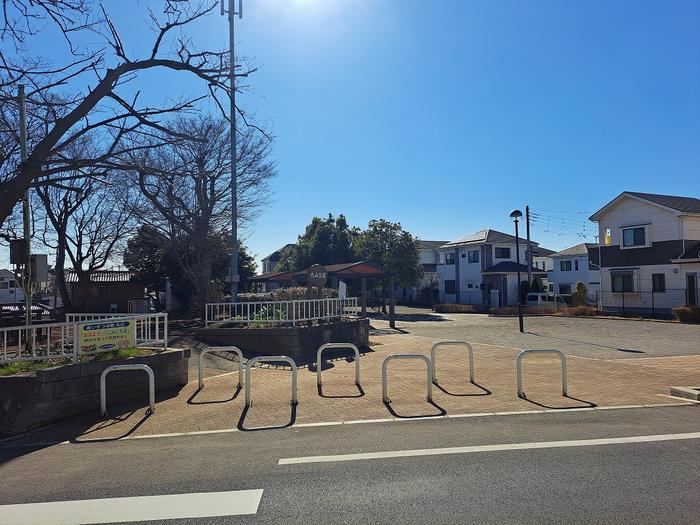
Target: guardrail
270,359
337,345
519,370
115,368
420,357
281,312
234,349
433,357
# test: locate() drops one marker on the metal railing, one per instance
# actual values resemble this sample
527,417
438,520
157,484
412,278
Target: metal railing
115,368
429,371
37,342
281,312
433,357
48,341
337,345
519,369
645,302
270,359
233,349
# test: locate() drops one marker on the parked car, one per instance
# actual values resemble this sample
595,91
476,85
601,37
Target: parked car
548,300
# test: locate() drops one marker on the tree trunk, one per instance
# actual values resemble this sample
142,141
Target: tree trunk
60,274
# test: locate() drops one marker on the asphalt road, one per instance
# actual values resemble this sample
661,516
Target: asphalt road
652,482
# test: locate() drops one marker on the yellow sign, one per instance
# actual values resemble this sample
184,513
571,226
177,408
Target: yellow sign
106,334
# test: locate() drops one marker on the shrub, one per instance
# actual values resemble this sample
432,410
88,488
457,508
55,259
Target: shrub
283,294
687,314
513,310
461,308
580,294
577,311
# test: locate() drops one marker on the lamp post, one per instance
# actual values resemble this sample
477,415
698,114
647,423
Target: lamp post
515,215
235,278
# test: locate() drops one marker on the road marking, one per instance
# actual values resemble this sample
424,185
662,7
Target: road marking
140,508
488,448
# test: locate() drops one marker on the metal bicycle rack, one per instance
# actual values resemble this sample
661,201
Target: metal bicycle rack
270,359
437,345
519,368
429,370
116,368
337,345
233,349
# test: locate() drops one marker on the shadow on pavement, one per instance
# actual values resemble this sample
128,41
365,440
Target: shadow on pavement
108,424
242,428
485,391
587,343
586,404
441,412
191,400
360,393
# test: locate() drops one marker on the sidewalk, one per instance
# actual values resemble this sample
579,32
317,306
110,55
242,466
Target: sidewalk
592,382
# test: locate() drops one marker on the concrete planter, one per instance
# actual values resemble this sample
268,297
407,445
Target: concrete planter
29,401
298,342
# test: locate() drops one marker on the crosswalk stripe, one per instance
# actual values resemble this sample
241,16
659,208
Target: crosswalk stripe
488,448
139,508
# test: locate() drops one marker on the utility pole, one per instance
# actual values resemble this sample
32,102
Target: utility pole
235,278
26,211
528,259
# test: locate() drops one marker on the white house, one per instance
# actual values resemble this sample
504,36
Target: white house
650,252
270,262
10,292
481,269
573,265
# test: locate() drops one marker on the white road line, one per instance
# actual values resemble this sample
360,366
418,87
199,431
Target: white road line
487,448
140,508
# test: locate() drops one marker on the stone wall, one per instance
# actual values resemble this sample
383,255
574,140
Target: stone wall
29,401
298,342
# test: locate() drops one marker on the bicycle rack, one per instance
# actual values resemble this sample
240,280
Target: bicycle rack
116,368
233,349
420,357
519,368
337,345
269,359
433,356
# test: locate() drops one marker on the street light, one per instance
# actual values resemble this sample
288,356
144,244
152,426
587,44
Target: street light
515,215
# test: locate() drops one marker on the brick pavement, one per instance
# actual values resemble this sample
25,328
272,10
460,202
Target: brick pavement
592,382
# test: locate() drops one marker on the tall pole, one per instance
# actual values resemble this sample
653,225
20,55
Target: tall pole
517,260
26,211
232,115
529,246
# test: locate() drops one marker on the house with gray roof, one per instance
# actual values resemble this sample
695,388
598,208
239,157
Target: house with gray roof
650,252
575,264
481,268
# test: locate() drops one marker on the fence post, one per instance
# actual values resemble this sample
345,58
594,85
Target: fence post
75,342
623,303
653,308
165,332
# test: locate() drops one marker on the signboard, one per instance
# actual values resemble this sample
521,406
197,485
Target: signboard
106,334
317,275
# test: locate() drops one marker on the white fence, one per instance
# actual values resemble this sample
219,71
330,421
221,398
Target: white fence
281,312
59,340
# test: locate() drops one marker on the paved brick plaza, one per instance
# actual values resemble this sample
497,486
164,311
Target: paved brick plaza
593,381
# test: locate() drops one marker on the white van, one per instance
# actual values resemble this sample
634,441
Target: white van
548,300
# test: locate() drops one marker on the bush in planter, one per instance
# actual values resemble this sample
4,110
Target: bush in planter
294,293
687,314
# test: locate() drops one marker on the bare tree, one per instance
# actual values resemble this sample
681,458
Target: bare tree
86,94
187,184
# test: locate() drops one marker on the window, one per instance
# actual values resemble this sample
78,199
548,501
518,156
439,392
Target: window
622,282
608,237
565,288
551,287
450,287
633,237
449,258
470,284
576,265
502,253
658,282
473,256
4,285
565,266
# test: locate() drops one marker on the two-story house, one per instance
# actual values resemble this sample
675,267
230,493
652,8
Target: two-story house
481,269
572,265
429,257
270,262
650,252
10,292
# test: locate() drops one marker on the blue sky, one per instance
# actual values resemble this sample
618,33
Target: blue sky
445,115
